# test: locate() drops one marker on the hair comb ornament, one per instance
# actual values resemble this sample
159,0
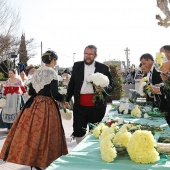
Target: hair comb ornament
49,57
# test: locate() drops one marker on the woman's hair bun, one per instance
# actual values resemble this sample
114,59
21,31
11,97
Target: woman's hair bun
48,56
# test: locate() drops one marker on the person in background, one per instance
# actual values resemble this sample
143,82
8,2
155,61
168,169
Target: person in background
37,137
29,73
66,79
24,79
160,89
147,66
13,89
67,71
23,76
164,90
84,110
1,87
166,50
21,66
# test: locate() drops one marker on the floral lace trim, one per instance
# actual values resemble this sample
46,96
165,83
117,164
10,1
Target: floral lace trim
43,76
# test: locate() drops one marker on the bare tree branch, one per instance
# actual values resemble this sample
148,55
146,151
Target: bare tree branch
163,6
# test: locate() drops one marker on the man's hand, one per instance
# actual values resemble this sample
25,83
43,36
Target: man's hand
155,90
164,77
98,89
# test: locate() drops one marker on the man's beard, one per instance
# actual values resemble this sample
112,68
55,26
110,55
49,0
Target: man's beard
89,62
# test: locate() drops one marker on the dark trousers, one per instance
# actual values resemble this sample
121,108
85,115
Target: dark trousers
82,115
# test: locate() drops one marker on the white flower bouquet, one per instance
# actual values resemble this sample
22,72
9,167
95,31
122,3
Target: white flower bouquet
62,90
2,103
100,81
65,113
145,87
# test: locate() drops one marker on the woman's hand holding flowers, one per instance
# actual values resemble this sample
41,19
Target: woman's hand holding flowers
67,105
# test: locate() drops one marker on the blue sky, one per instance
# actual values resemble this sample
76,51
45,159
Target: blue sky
68,26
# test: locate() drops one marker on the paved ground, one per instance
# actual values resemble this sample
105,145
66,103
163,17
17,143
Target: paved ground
68,131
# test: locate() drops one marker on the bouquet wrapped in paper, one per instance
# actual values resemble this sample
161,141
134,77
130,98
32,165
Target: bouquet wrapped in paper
2,103
66,114
145,87
100,81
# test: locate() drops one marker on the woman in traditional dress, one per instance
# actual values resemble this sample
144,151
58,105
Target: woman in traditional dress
23,77
13,89
37,136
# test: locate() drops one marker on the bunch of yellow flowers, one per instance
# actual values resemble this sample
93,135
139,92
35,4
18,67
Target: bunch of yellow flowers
141,147
123,136
107,149
99,129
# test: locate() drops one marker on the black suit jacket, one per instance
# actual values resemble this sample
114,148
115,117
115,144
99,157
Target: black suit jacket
160,99
77,78
166,93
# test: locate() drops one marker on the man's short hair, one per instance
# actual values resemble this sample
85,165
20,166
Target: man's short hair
147,56
92,47
166,47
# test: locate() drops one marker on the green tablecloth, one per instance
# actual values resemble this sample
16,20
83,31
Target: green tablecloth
152,121
86,155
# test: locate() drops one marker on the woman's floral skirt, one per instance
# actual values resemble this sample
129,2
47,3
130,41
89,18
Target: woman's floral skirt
36,137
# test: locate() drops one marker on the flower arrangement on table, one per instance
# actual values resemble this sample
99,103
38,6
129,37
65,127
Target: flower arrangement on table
99,80
124,108
139,144
141,147
99,129
138,111
145,87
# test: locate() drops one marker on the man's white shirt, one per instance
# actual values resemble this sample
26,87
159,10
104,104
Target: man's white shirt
87,88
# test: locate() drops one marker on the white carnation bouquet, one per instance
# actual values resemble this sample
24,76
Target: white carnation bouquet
100,81
2,103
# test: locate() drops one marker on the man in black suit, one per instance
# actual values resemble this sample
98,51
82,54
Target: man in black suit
160,89
84,110
147,66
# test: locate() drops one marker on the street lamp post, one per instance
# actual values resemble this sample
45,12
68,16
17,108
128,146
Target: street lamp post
74,58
